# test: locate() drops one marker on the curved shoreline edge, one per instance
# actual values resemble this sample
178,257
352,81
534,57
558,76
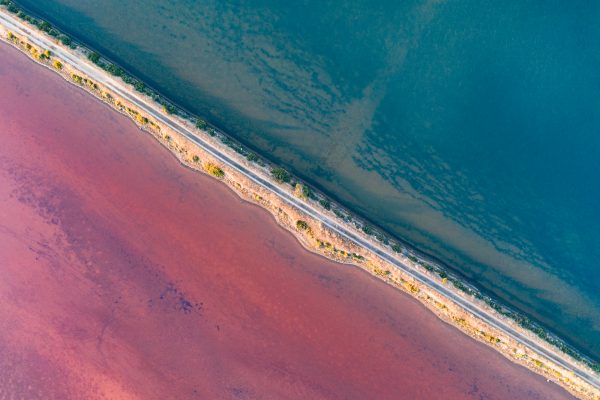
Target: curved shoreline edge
325,231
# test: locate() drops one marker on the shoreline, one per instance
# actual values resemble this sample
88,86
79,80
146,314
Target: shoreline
313,234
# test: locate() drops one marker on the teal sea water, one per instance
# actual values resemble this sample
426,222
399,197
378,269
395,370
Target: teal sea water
470,129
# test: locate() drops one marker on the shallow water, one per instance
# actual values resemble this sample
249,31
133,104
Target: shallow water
469,129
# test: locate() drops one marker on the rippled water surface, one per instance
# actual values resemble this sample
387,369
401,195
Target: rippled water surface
470,129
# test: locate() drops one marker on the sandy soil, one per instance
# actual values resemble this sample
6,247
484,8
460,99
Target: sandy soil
124,275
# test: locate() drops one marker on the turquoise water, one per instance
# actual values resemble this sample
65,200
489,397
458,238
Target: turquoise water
470,129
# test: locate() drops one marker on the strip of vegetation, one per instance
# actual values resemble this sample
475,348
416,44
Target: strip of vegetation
138,85
233,145
519,318
167,106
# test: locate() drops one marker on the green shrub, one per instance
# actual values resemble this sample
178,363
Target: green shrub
94,57
139,86
396,248
280,175
112,69
57,65
66,40
252,157
201,124
196,159
325,204
307,191
45,26
367,230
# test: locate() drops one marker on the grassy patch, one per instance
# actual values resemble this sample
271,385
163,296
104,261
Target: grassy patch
201,124
301,225
94,57
280,175
252,157
214,170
